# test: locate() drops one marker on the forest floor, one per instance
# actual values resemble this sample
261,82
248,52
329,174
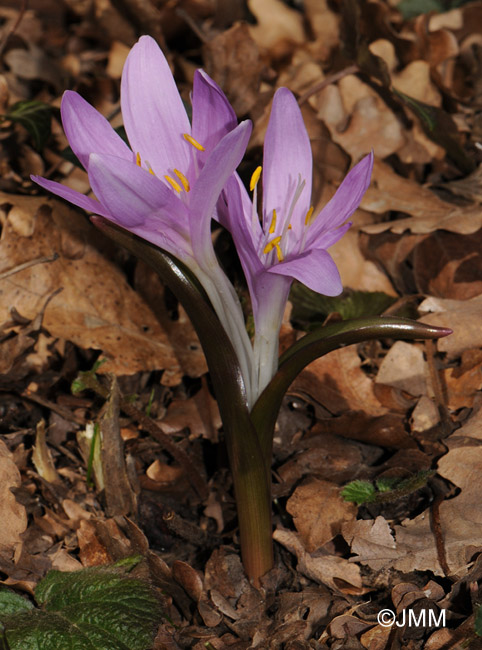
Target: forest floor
404,417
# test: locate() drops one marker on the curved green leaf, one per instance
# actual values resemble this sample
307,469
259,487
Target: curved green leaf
320,342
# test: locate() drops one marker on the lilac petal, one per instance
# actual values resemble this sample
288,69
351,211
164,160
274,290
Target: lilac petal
82,201
87,130
154,116
131,193
212,114
287,156
218,168
315,268
168,240
330,237
345,201
241,228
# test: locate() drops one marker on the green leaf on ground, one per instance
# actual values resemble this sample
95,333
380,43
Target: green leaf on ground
99,608
478,621
358,492
412,8
35,117
310,307
12,603
385,490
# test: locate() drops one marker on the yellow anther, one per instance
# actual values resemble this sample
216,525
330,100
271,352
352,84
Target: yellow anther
255,178
290,227
183,179
308,216
272,244
192,141
174,184
151,171
138,159
272,226
279,254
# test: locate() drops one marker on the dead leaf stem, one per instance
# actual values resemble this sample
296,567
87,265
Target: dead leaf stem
13,29
438,388
438,534
26,265
351,69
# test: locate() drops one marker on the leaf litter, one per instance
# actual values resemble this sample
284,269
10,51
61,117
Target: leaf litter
401,80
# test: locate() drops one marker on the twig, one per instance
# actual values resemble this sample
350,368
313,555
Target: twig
26,265
60,410
351,69
438,534
13,29
438,389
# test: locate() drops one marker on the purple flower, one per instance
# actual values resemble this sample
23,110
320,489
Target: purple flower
166,186
290,241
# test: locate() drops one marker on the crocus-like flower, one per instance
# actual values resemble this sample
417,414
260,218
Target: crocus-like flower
290,242
165,187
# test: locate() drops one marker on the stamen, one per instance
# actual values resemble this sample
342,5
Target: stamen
183,179
173,183
138,159
255,178
192,141
308,216
149,168
279,254
272,227
274,243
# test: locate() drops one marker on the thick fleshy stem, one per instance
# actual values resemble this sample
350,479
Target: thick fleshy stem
251,480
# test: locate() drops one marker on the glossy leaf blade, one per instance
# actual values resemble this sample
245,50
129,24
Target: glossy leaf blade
320,342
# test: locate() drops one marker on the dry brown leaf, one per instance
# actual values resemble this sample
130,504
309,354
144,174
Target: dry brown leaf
462,389
372,541
462,316
335,572
415,81
425,415
325,25
277,27
96,308
199,414
404,368
461,519
91,550
338,383
356,272
372,126
232,60
12,514
331,457
117,57
390,192
319,512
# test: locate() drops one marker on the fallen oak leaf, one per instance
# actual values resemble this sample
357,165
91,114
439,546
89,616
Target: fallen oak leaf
390,192
97,308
